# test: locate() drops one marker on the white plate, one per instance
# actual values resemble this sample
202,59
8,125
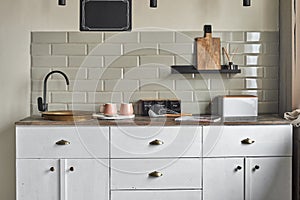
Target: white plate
116,117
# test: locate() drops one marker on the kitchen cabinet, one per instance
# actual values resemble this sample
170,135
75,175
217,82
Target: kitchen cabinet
164,160
223,178
62,163
259,178
37,179
255,163
155,162
268,178
86,179
62,179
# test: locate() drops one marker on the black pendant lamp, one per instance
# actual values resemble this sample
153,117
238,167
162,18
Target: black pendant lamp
62,2
153,3
246,2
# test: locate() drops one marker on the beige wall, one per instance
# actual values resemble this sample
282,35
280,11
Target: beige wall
19,17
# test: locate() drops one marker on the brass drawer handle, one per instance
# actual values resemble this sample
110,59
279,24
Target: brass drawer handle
63,142
247,141
156,142
155,174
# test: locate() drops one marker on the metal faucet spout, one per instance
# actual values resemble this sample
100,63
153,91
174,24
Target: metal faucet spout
42,103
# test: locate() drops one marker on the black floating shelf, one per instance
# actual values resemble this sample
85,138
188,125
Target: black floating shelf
190,69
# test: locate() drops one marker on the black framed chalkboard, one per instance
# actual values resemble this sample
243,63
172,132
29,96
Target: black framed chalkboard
105,15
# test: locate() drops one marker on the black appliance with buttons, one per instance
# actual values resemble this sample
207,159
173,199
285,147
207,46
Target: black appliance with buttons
159,106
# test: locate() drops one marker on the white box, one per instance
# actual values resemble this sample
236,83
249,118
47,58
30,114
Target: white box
236,106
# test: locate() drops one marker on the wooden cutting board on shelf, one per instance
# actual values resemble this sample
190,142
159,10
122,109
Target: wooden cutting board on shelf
208,51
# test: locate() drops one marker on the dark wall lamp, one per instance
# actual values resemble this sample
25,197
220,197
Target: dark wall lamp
62,2
153,3
246,2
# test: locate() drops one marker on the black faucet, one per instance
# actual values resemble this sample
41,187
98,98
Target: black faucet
43,106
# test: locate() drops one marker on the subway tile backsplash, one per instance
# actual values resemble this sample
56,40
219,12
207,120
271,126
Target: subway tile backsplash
125,67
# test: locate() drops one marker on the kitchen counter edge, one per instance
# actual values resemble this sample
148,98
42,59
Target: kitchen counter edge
146,121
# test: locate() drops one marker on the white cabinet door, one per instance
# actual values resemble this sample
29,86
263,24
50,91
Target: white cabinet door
53,179
269,178
86,179
38,179
223,178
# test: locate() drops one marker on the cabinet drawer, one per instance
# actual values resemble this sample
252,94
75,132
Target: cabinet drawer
176,173
157,195
267,140
81,142
134,142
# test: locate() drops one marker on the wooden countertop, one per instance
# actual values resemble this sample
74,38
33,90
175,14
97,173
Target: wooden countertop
146,121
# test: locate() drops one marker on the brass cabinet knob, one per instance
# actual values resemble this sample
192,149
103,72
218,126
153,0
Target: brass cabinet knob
52,169
238,168
63,142
155,174
156,142
72,169
247,141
